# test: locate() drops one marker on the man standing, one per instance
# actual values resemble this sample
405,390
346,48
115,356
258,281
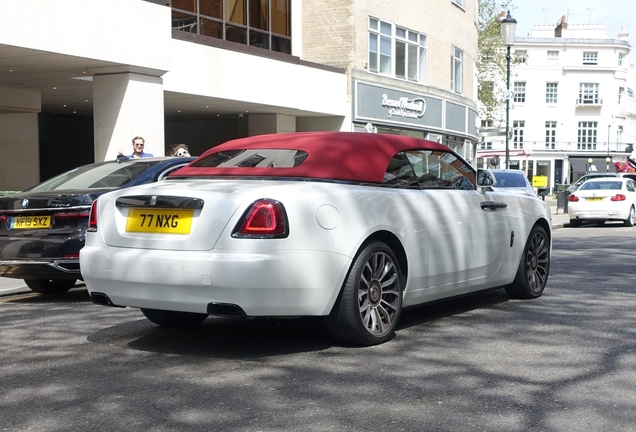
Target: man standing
138,148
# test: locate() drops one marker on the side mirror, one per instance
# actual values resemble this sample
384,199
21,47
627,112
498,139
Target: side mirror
486,178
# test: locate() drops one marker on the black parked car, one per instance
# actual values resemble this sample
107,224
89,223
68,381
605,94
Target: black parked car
42,228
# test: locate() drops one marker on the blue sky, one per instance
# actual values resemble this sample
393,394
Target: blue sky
614,14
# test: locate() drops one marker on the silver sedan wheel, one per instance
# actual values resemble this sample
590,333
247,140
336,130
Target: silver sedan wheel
631,219
369,305
379,294
534,267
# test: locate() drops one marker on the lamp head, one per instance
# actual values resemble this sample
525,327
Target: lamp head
508,28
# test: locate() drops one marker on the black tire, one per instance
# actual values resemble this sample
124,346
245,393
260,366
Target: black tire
50,286
534,267
575,223
173,318
370,302
631,219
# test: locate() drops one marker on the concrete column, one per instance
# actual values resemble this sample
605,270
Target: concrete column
20,160
126,105
260,124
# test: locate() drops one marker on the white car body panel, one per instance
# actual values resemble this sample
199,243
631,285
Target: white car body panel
452,245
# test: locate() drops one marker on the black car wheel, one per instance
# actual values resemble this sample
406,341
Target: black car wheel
50,286
631,220
371,300
532,274
173,318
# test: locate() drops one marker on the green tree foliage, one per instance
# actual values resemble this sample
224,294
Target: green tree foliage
491,62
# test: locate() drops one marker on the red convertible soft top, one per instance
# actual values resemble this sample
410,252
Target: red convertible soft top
348,156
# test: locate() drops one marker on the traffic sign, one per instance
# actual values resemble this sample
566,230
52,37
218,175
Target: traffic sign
507,94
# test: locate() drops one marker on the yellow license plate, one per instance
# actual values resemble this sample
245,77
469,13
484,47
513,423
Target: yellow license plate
594,199
30,222
162,221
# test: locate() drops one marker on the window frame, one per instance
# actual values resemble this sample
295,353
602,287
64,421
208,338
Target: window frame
457,63
590,57
519,89
551,92
587,134
550,134
589,93
518,127
194,20
383,52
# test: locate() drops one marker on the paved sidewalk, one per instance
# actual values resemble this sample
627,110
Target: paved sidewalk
10,286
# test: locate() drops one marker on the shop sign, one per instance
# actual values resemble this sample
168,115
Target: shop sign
404,107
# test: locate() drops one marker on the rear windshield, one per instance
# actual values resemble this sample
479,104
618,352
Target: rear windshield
96,176
253,158
605,185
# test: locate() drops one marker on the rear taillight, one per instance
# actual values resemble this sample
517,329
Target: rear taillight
92,218
618,197
573,198
265,218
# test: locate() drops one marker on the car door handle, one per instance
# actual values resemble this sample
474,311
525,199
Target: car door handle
492,205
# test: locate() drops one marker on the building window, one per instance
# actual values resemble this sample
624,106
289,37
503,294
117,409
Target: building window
457,70
410,55
587,136
521,56
550,135
517,133
397,51
264,24
551,92
553,55
590,57
485,146
520,92
619,135
621,57
630,93
588,94
380,41
459,2
621,93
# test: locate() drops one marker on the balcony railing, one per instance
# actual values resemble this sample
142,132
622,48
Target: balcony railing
589,102
566,147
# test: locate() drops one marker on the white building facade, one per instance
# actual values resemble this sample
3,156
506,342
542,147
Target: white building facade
573,104
86,76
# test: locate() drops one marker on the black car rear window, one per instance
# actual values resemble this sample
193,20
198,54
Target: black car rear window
96,176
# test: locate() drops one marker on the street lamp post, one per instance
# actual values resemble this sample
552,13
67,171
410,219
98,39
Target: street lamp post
508,28
607,162
589,165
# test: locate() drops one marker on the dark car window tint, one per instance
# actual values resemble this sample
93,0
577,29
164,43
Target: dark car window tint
252,158
95,176
429,169
507,179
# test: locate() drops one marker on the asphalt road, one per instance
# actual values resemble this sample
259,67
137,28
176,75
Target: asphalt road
563,362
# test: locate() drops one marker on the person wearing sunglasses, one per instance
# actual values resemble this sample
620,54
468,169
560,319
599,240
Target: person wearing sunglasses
138,144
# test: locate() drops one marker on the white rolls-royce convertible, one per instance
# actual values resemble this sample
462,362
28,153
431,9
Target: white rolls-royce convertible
352,227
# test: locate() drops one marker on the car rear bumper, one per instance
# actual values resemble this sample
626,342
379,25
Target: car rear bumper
259,282
44,269
598,215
